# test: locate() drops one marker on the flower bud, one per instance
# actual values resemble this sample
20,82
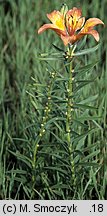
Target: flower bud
64,9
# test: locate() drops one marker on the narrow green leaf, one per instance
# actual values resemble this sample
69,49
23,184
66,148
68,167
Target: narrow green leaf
87,51
84,83
57,169
27,191
84,106
57,48
57,138
86,118
85,69
21,180
80,123
39,85
76,139
56,155
95,182
62,79
55,119
21,157
49,54
17,171
51,58
93,164
60,141
40,195
82,43
59,99
97,144
89,99
90,156
60,185
78,152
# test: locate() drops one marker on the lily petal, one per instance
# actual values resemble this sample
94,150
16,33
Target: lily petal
92,32
45,27
57,18
88,29
51,26
67,39
91,23
80,23
95,34
74,21
74,12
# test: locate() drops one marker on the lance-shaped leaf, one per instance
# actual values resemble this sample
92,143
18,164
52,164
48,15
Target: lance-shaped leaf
60,170
84,106
82,84
22,158
79,137
78,72
90,156
86,51
87,118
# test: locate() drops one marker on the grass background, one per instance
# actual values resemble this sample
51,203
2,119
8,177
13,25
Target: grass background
19,43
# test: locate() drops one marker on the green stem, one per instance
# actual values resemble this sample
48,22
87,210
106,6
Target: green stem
42,127
68,123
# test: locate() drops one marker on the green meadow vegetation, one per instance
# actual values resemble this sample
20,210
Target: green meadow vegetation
34,158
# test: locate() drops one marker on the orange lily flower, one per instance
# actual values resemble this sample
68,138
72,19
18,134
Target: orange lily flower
58,23
71,27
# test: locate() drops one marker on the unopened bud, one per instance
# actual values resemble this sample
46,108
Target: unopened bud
64,9
40,135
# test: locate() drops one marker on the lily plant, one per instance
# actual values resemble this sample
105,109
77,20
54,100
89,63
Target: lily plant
71,27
